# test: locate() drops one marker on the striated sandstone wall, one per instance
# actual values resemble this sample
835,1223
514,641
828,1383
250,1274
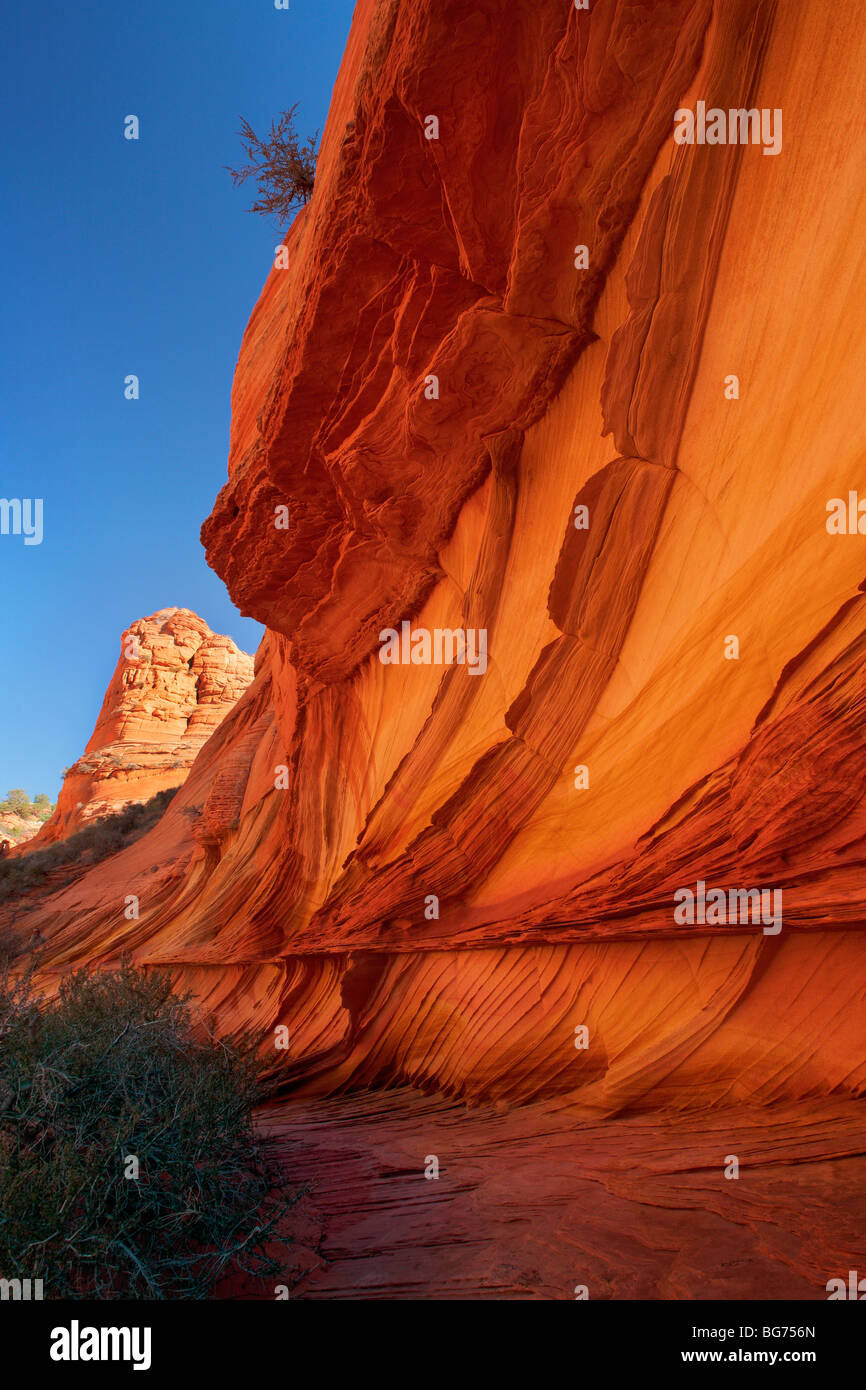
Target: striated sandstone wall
291,880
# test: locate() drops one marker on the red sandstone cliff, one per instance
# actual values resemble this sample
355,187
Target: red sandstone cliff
174,683
292,880
304,903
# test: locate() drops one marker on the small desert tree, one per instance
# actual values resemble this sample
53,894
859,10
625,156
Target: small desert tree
284,168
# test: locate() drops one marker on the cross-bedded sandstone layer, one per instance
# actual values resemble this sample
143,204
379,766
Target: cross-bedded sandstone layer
528,1204
434,878
174,683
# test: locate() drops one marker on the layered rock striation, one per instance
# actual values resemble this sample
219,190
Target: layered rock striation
174,683
552,376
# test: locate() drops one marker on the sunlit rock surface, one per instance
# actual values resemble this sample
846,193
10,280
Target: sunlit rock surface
174,683
673,696
16,829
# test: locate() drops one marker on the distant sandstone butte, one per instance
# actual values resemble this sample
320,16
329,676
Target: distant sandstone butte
467,882
173,685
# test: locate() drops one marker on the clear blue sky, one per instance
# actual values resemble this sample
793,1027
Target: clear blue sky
126,257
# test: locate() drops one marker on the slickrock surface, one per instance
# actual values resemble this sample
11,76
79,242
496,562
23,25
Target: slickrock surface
173,685
535,1204
698,648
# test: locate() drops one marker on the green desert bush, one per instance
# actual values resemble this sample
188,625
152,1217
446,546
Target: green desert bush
17,802
113,1070
96,841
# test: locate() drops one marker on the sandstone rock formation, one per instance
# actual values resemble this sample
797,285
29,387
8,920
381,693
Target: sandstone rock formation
439,878
16,829
529,1204
174,683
